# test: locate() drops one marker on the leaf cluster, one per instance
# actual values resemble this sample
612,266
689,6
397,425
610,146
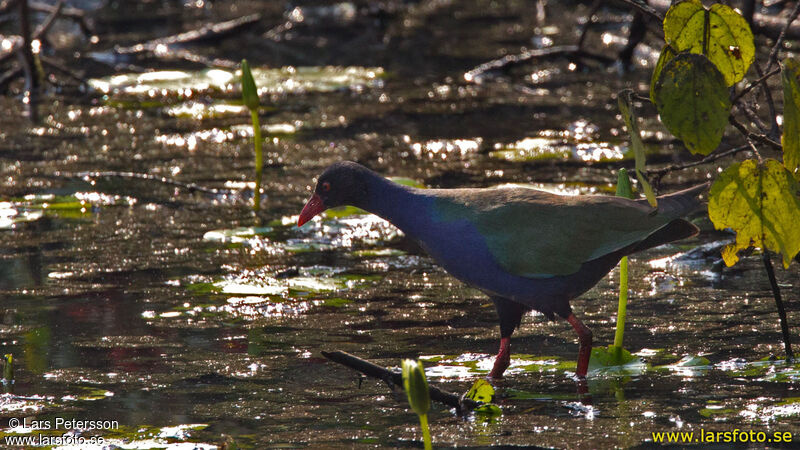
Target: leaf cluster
708,51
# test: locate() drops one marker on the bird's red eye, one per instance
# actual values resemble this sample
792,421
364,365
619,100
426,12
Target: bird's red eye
326,186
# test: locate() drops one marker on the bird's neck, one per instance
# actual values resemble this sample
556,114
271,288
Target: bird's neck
401,205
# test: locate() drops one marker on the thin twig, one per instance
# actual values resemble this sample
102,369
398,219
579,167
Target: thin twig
659,173
754,84
6,78
773,54
641,98
770,103
209,31
62,68
589,23
753,117
643,7
753,136
776,292
509,61
636,33
27,54
42,29
755,150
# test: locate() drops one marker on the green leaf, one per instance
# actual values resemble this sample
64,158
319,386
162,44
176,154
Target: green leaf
667,53
8,367
720,33
760,203
249,90
481,391
416,386
691,361
790,74
624,188
610,357
693,101
625,100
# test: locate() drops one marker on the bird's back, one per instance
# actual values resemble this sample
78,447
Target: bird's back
536,234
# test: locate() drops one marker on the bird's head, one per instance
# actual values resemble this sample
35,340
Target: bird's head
342,183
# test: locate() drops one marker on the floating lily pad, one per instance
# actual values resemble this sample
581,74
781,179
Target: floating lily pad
446,148
689,366
235,235
471,364
615,360
533,149
374,253
268,130
789,408
10,215
33,206
549,148
176,84
716,411
203,110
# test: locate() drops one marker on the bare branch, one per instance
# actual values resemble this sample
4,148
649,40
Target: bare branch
508,61
770,102
42,29
645,8
395,378
589,22
754,136
755,83
659,173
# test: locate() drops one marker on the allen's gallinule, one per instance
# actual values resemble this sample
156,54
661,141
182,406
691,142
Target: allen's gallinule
526,249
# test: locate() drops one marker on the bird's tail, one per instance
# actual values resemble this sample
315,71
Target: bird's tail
681,203
675,206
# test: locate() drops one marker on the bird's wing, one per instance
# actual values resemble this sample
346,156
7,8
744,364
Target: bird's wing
536,234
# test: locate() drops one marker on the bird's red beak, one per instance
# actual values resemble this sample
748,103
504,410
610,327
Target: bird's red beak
313,207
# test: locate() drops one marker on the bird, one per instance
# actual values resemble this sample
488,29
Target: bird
526,249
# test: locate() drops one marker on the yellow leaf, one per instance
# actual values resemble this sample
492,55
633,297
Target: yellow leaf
481,391
760,203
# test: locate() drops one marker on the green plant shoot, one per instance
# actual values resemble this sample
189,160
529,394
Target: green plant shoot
250,100
625,101
615,356
416,387
8,367
623,190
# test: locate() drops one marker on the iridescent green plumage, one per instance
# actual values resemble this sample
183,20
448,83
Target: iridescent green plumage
536,234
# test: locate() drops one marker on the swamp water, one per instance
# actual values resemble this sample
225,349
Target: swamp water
162,305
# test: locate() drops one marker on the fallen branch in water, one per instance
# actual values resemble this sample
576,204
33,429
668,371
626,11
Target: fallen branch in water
206,32
509,61
396,379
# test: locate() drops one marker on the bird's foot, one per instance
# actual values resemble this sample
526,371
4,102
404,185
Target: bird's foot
584,345
502,360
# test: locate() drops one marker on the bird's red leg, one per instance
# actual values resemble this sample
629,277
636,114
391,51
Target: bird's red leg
503,358
585,344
